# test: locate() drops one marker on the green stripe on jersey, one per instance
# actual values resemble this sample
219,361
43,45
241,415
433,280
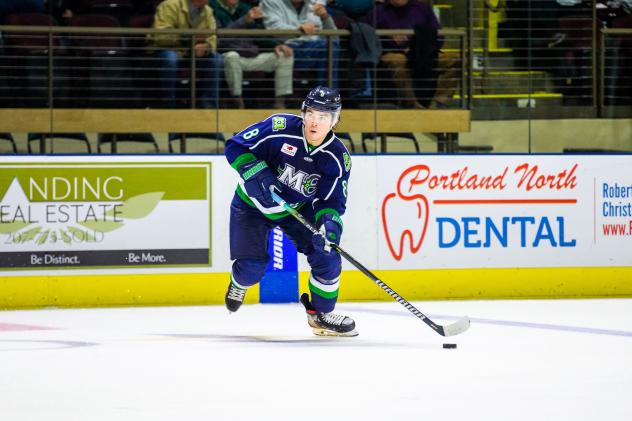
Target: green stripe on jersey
243,159
254,170
331,211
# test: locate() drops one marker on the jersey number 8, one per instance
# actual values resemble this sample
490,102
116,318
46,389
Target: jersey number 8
250,134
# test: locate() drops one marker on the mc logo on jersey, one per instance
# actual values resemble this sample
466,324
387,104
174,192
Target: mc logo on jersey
299,181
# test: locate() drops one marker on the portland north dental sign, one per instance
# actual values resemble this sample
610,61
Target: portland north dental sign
60,214
505,211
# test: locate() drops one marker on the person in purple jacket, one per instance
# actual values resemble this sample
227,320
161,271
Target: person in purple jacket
406,14
301,158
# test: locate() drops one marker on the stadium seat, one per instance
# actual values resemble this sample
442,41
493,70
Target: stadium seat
576,59
103,77
383,136
183,137
27,61
9,138
115,138
147,6
122,10
618,89
31,42
42,137
144,75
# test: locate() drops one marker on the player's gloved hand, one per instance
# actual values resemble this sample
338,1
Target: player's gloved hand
330,229
258,178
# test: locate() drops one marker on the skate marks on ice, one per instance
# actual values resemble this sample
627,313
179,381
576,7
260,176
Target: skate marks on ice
35,344
40,345
17,327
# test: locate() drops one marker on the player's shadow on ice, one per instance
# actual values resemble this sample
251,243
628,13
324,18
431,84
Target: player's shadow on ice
293,340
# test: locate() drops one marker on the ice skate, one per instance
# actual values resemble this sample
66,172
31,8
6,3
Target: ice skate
328,324
234,297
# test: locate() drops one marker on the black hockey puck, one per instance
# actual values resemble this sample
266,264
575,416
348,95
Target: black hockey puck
449,346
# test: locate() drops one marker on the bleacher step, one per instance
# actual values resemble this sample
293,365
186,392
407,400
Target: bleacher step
515,101
511,82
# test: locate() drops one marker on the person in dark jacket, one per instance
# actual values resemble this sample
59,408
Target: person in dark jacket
351,8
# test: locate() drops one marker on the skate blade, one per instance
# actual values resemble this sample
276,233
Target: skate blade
326,332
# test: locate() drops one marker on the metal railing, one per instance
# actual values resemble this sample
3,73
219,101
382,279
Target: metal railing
126,68
543,57
615,87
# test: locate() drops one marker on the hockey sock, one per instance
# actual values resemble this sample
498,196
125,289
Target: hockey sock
324,294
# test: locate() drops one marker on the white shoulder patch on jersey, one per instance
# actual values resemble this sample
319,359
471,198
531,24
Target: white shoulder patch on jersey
289,149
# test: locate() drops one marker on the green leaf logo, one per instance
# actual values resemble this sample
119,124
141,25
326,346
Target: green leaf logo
65,236
102,226
10,227
29,235
42,238
138,206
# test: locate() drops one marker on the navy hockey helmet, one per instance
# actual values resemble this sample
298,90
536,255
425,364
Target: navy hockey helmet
324,99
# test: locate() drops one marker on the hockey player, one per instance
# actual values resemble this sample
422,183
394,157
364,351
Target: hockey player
308,166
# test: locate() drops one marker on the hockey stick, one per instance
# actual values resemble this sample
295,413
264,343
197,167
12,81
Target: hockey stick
452,329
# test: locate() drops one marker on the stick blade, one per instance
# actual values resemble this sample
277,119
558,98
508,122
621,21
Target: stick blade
457,327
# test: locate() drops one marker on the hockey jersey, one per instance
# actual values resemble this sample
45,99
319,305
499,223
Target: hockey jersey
309,175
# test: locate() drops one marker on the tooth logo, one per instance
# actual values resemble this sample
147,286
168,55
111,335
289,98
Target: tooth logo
405,214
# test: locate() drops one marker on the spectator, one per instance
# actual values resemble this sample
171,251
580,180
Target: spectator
172,49
245,55
310,50
569,3
8,7
625,4
406,14
353,9
62,10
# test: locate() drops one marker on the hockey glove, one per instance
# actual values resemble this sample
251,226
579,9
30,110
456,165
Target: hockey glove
330,229
258,178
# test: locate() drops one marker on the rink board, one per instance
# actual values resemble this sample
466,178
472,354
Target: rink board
431,227
201,289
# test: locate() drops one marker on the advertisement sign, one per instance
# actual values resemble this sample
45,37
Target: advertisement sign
504,211
404,212
69,214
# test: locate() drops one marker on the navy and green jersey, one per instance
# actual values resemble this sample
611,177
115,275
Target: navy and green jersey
309,175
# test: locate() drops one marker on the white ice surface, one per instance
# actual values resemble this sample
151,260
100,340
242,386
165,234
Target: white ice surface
521,360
